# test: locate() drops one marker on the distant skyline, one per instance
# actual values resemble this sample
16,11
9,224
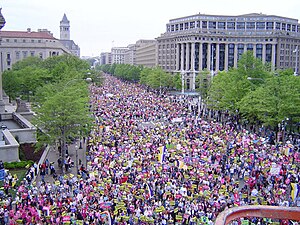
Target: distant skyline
97,26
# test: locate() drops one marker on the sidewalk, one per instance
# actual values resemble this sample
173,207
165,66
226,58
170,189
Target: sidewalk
53,156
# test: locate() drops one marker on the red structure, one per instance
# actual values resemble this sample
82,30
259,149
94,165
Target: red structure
261,211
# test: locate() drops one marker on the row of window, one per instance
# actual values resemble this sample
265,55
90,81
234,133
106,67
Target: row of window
223,25
27,40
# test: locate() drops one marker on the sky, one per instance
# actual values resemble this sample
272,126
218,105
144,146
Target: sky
97,25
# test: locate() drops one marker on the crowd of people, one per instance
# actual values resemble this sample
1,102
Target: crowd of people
152,161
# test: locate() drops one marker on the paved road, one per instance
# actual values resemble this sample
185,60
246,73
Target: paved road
53,156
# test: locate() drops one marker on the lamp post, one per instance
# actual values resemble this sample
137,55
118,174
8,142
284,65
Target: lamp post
88,79
296,63
76,152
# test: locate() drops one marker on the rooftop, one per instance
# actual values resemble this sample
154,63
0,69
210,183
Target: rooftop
44,34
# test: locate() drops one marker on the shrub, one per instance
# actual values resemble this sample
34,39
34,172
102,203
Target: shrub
18,165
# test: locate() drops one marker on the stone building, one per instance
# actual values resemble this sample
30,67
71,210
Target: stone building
216,42
17,45
65,37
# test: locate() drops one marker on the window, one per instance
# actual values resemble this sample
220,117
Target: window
240,25
221,25
39,41
293,28
15,40
181,26
8,56
17,55
24,54
212,25
230,25
204,24
250,25
32,53
186,26
32,41
283,25
24,40
270,25
277,26
288,27
260,25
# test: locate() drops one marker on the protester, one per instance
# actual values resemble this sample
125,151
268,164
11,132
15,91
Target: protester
154,160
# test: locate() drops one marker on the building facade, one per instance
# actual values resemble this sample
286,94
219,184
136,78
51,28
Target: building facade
65,37
216,42
105,58
17,45
118,55
146,53
130,54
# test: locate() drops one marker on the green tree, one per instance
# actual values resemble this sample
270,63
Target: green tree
62,111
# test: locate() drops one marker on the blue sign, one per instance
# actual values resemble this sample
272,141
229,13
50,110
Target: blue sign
2,174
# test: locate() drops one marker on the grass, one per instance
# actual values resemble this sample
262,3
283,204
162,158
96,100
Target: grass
20,174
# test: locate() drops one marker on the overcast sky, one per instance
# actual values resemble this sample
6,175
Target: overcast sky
98,25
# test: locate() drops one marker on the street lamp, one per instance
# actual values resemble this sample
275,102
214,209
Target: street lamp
76,149
88,79
296,64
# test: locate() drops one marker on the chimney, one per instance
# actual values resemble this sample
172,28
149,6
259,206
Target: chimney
29,30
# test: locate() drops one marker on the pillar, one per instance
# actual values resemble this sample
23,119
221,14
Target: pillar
193,66
187,56
273,57
182,57
200,56
177,56
226,57
264,53
217,57
208,55
235,55
254,50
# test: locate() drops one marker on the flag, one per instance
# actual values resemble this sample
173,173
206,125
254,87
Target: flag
161,154
149,190
295,190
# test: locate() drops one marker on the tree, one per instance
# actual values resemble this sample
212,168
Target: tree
275,100
62,111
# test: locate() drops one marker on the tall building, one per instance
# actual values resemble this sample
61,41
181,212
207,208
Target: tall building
216,42
17,45
130,54
65,37
105,58
146,53
118,55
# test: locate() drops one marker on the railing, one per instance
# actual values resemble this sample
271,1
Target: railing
261,211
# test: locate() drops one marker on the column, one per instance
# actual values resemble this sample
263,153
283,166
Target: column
254,50
182,57
208,55
245,47
200,56
177,56
193,67
226,57
217,57
187,56
273,57
235,55
264,53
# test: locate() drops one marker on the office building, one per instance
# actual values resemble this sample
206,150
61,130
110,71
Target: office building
118,55
216,42
146,53
17,45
